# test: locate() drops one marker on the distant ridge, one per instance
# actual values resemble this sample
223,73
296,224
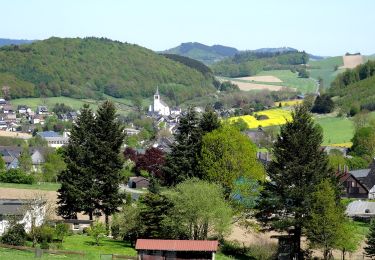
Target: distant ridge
215,53
4,42
203,53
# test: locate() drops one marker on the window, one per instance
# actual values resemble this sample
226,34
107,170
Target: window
75,226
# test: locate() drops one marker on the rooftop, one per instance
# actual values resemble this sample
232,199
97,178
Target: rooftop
177,245
47,134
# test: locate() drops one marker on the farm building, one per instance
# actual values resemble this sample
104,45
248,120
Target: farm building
138,182
176,249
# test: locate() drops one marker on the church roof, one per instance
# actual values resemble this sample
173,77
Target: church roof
157,91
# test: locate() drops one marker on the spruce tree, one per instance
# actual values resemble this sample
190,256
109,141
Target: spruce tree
370,241
298,166
182,162
209,121
78,191
107,161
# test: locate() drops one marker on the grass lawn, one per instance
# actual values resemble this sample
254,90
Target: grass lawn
21,255
108,246
123,105
80,243
336,130
325,69
51,186
291,79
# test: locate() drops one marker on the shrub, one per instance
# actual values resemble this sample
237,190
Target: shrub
44,234
15,235
16,176
61,231
97,231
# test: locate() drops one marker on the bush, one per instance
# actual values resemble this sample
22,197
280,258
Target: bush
44,234
61,231
16,176
15,235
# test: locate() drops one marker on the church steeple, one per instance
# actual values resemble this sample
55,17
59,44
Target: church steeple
156,95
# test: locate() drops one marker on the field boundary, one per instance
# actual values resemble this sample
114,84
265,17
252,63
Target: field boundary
48,251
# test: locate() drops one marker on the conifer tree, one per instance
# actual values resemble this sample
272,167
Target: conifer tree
107,161
370,241
182,162
299,165
209,121
78,191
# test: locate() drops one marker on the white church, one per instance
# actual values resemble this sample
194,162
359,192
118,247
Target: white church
161,108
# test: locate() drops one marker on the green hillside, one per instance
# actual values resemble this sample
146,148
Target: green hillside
249,63
92,67
202,53
326,69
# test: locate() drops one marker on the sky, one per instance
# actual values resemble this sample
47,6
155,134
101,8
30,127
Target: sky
320,27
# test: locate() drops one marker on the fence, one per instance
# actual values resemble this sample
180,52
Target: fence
113,256
39,252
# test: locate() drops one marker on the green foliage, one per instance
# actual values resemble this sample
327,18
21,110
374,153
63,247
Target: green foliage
199,209
348,239
364,142
370,241
153,209
194,64
25,162
203,53
43,234
16,176
54,164
37,141
303,73
182,162
323,104
249,63
10,141
299,165
240,124
15,235
128,222
91,180
61,231
110,67
61,108
223,159
97,231
2,164
326,218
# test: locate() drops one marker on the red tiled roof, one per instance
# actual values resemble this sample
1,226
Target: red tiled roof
177,245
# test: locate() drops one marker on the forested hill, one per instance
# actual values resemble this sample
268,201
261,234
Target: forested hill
203,53
91,67
4,42
248,63
355,88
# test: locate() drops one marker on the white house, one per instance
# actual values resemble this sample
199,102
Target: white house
27,212
158,106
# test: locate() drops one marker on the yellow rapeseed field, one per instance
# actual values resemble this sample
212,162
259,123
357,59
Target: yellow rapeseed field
289,103
275,117
346,145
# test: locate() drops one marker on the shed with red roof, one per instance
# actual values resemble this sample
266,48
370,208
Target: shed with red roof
152,249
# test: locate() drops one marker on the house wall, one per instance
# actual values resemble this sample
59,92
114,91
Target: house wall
353,189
